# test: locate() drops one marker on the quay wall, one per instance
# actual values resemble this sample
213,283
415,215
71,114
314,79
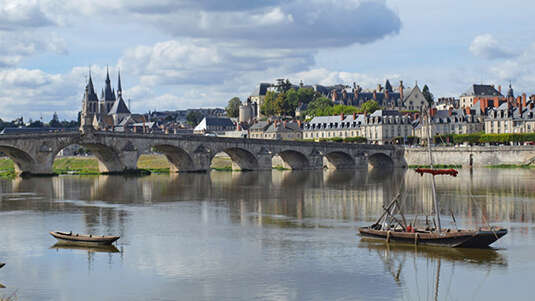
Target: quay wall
477,156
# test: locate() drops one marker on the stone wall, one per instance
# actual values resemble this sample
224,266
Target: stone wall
478,155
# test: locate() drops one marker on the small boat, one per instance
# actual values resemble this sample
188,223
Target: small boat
2,265
390,228
83,239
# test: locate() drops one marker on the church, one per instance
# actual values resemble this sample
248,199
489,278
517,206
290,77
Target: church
109,113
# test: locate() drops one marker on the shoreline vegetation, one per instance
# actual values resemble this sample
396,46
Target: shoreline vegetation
158,164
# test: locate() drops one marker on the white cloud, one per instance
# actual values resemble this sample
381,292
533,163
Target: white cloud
486,46
518,69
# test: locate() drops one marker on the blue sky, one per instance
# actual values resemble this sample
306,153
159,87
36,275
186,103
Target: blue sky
176,54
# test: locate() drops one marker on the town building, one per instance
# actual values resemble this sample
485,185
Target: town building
483,93
214,125
321,127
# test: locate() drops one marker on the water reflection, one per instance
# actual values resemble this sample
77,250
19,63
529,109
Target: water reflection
259,235
89,249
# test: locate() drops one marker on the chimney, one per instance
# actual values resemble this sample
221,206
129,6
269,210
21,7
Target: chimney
450,111
238,126
299,123
354,116
433,112
401,89
342,117
374,94
467,110
524,100
500,88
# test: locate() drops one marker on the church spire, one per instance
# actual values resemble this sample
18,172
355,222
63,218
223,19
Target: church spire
108,93
119,89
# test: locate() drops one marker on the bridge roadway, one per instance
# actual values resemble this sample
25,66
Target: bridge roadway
34,154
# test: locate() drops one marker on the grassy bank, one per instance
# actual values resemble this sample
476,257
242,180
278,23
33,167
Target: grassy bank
510,166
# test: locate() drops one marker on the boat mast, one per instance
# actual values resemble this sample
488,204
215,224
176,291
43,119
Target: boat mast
433,188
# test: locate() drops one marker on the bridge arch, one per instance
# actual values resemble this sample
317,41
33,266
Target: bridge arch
380,160
339,160
242,159
294,159
179,159
24,163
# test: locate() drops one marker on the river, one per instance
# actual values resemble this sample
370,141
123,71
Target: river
276,235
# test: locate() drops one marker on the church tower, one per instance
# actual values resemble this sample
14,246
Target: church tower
108,97
90,106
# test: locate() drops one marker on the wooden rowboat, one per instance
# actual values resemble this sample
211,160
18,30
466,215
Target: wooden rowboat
481,238
83,239
2,265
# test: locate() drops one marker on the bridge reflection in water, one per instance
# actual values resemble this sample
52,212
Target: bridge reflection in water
282,223
497,195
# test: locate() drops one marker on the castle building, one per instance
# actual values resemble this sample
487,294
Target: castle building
106,113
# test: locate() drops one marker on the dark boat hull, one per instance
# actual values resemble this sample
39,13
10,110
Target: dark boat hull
83,240
452,239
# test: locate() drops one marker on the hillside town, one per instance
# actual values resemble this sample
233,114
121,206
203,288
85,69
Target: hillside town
282,110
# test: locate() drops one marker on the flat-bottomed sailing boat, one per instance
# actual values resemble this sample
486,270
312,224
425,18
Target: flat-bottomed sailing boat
436,236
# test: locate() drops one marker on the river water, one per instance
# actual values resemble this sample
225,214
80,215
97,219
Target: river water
277,235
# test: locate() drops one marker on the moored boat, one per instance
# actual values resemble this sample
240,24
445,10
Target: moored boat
83,239
2,264
390,228
480,238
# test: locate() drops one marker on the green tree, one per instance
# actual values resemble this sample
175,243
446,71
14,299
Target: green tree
55,123
370,106
428,95
194,117
319,106
306,95
233,107
35,124
291,100
268,107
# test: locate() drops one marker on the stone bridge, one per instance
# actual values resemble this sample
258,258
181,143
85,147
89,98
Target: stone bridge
119,152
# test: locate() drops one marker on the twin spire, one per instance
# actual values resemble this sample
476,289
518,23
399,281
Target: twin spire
107,94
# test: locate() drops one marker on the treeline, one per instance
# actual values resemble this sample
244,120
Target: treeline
285,101
481,138
54,123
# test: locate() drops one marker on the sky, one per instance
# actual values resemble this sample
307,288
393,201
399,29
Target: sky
177,54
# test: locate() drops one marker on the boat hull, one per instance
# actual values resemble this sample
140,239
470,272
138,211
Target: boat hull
83,240
452,239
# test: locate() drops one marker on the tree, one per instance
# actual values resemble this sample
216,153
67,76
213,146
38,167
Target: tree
370,106
428,95
291,101
306,95
194,117
55,123
233,107
268,107
35,124
319,106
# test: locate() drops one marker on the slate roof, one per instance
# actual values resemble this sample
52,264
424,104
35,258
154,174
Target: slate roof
261,90
482,90
90,94
260,126
280,127
119,107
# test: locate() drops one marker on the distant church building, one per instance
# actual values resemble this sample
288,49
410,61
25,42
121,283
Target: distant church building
106,113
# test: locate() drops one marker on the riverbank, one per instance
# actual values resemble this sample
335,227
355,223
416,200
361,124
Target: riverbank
78,165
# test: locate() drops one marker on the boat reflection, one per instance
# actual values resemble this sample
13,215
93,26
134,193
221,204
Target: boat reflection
490,257
89,249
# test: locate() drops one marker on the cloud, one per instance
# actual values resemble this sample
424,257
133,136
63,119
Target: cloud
487,47
199,62
271,24
518,69
16,14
